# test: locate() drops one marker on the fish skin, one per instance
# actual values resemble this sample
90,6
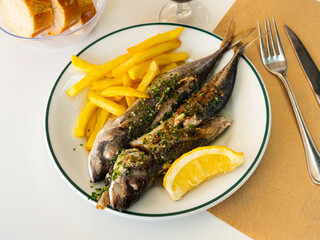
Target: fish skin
176,136
145,112
213,95
137,168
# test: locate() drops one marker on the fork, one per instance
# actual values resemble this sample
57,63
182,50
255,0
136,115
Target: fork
275,62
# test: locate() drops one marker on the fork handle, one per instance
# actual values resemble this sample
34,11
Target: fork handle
310,148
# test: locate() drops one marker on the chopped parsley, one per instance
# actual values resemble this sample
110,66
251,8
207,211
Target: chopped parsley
98,192
115,174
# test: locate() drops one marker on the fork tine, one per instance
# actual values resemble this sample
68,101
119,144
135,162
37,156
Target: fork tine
263,53
281,52
267,38
271,37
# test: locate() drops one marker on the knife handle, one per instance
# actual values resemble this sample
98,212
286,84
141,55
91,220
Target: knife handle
310,148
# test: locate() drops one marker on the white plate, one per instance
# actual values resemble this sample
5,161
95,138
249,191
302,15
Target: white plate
248,108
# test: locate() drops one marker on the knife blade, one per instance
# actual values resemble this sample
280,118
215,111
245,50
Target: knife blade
309,67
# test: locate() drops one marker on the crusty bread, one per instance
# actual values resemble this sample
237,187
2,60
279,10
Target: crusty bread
88,10
27,18
66,13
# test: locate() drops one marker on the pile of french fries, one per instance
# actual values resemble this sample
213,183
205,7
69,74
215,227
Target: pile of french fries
115,85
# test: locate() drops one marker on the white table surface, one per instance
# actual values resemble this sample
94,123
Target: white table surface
36,203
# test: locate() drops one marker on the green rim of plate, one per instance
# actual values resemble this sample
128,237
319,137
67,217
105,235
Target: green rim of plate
233,187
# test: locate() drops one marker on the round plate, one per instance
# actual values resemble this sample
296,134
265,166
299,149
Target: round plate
248,108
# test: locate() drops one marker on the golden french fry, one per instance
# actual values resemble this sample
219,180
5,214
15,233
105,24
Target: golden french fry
86,67
105,83
135,85
123,102
168,67
127,83
152,72
83,119
123,91
145,55
117,99
98,73
91,124
155,40
109,75
101,120
139,70
83,65
167,58
110,106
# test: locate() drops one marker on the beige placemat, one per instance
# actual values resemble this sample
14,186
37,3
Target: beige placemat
279,201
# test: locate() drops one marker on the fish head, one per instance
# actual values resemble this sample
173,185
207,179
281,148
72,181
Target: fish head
130,178
104,152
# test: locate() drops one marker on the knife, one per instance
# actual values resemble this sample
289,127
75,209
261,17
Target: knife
309,67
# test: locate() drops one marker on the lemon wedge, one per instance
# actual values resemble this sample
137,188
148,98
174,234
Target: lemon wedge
197,166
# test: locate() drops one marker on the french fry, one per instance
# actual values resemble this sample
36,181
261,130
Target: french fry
82,65
91,124
168,67
123,91
98,73
114,86
117,99
152,72
83,119
105,83
101,120
127,83
145,55
167,58
110,106
123,102
109,74
86,67
139,70
155,40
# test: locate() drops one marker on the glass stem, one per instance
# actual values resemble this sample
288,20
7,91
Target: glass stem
183,9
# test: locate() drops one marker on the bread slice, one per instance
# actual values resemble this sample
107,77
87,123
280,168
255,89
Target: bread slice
66,13
88,10
27,18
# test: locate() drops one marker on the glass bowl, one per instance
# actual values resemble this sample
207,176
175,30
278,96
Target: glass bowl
74,34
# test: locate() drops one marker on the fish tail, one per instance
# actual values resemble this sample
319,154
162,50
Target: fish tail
229,35
231,39
240,36
242,47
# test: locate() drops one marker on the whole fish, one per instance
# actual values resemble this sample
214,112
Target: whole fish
167,93
136,169
194,124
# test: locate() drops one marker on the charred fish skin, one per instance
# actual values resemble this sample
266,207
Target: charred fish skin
224,85
167,142
213,95
146,112
136,169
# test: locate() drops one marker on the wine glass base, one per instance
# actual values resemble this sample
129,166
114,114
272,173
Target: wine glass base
197,16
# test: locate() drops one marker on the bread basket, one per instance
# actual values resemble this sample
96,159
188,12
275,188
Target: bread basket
71,35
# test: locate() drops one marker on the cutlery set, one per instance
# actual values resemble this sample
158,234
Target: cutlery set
274,60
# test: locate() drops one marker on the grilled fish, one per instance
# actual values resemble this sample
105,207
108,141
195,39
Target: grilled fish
137,168
194,124
167,93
